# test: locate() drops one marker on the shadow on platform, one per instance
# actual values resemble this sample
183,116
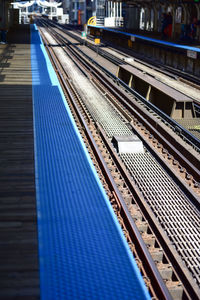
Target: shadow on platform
20,34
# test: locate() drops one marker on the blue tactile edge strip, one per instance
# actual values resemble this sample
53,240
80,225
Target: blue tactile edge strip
82,250
185,47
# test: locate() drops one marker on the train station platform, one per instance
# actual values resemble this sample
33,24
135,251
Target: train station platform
51,197
19,270
172,54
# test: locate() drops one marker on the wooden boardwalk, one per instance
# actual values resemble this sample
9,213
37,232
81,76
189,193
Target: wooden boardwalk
19,278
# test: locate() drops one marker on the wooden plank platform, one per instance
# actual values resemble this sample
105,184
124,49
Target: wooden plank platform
19,277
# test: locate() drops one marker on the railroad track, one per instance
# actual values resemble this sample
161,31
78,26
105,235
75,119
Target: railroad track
167,70
175,74
174,273
184,129
188,159
170,72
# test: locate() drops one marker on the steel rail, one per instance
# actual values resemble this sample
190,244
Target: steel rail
181,270
177,128
154,127
159,288
187,136
189,161
195,83
107,44
169,71
185,157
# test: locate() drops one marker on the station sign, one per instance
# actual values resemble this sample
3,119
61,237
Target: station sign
83,34
192,54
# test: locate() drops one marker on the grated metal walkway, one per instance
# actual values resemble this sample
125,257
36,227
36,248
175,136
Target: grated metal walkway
173,209
83,253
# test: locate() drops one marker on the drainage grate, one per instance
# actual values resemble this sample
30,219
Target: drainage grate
107,116
178,217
